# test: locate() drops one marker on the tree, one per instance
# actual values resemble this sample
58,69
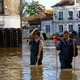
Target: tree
23,7
49,11
41,8
32,9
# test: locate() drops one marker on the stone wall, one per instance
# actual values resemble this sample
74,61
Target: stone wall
14,5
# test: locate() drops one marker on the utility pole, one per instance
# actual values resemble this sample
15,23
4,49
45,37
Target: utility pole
21,14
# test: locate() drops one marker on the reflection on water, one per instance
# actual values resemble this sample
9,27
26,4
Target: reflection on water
9,67
15,65
67,75
36,73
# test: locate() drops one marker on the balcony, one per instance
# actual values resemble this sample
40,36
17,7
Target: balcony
70,18
60,19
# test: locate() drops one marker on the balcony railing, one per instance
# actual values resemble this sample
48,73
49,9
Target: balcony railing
60,19
70,18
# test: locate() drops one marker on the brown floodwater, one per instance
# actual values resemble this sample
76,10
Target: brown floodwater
15,64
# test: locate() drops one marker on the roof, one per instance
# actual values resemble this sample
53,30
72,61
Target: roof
64,3
50,16
26,18
39,17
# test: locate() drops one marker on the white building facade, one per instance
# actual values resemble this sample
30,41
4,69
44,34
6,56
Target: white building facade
10,22
10,14
66,17
47,27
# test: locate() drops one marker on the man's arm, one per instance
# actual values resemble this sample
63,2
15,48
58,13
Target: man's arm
39,53
40,48
58,46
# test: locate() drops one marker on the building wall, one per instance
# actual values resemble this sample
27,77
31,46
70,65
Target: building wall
10,19
14,5
43,26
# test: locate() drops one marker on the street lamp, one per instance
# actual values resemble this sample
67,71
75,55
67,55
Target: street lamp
54,18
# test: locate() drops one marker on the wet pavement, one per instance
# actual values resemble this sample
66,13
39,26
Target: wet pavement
15,64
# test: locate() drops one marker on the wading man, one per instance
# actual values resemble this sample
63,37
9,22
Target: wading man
65,46
36,47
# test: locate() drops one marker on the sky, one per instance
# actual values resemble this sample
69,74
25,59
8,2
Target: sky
47,3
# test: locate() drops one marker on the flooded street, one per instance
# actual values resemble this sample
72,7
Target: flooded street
15,64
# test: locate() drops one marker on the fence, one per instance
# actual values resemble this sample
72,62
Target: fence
10,37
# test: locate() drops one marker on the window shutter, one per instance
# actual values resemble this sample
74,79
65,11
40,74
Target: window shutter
1,7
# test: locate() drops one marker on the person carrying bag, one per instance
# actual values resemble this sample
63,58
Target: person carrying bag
36,47
66,54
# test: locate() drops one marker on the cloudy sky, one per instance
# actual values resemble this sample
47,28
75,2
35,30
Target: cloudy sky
47,3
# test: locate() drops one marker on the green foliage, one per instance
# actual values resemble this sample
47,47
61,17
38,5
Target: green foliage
75,32
57,34
23,6
53,34
61,35
31,9
50,37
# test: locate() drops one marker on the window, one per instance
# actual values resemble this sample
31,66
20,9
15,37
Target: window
60,28
35,26
60,15
71,2
1,6
31,27
70,14
70,28
39,27
47,28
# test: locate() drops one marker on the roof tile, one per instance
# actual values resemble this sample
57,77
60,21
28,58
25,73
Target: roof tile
39,17
64,3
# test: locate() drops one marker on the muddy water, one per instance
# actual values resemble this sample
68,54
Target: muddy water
15,65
